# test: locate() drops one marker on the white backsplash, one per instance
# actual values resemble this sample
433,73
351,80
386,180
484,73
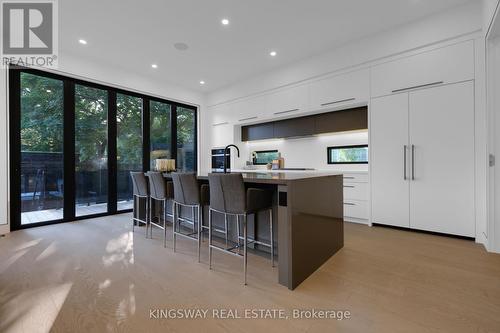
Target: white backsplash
307,152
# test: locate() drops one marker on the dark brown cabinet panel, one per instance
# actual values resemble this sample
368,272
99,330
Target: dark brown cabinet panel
341,121
257,132
336,121
294,127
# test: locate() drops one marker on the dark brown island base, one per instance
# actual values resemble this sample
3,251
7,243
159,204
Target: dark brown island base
308,215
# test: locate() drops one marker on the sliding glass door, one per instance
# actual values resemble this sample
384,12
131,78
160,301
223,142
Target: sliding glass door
128,145
41,149
73,145
91,150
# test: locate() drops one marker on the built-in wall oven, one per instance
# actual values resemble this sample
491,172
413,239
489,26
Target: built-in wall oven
218,160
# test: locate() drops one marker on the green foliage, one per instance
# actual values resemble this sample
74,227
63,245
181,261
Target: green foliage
91,127
42,121
42,112
129,132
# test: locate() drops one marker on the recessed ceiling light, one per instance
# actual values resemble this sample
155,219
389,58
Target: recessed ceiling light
225,21
82,41
154,65
273,53
202,82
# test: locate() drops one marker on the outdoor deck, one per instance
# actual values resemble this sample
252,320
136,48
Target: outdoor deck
57,214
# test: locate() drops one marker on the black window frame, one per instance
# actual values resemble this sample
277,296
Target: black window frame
14,84
329,149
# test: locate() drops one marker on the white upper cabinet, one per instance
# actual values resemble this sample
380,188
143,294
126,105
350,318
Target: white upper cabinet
449,64
248,110
284,102
222,132
287,101
340,90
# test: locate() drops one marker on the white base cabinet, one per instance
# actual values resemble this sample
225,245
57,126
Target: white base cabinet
422,159
356,194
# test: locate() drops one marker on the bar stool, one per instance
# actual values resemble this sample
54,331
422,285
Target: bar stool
140,192
160,191
187,193
228,197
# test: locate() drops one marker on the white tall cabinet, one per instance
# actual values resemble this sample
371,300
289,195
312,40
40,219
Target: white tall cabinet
422,155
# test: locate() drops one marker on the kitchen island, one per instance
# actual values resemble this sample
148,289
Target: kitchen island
308,214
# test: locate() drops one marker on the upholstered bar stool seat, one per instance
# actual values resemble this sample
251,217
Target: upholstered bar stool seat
160,192
228,197
140,192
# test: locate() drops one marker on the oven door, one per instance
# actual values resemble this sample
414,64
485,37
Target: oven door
218,162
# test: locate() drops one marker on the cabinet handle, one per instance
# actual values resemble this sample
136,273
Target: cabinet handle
249,118
339,101
419,86
287,111
404,163
218,124
348,177
412,162
350,186
349,204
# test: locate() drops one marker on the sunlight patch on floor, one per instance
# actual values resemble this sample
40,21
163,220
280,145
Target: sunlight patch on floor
120,250
34,310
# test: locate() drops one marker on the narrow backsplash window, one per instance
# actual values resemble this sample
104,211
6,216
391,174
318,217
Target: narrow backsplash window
264,157
347,154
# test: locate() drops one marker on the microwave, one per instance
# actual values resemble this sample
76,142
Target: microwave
218,159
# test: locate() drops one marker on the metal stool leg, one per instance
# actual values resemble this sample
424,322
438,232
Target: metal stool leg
148,225
271,235
245,248
192,214
174,220
238,231
210,238
133,215
199,231
225,227
164,223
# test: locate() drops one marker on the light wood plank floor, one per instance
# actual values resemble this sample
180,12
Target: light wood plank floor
96,276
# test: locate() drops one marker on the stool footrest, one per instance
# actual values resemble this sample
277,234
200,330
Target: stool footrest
227,250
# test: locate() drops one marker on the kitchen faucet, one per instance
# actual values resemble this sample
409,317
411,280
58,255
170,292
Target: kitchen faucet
225,153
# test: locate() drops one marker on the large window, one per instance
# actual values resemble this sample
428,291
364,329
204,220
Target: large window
41,134
91,150
73,145
128,145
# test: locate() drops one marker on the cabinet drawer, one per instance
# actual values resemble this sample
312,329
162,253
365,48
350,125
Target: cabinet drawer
449,64
356,178
355,208
356,191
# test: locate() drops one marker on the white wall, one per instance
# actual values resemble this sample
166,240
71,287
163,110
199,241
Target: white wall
101,73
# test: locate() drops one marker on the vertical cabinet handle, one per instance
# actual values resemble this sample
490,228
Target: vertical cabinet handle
412,162
404,161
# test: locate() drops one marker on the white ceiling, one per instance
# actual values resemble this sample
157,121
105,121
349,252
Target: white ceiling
133,34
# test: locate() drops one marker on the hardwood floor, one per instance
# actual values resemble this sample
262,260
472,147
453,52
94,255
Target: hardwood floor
97,276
